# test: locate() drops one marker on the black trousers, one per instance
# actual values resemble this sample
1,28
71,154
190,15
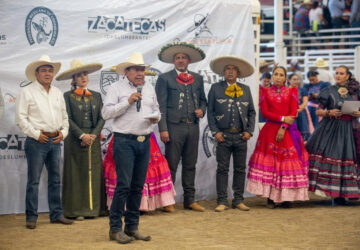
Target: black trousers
235,145
184,140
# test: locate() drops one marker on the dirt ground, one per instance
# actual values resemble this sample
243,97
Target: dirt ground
308,225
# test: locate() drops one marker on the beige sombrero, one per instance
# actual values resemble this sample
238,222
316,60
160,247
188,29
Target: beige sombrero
263,63
135,59
147,72
218,64
43,60
321,63
166,54
77,66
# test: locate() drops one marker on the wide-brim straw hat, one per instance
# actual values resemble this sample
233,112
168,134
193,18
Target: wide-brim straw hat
321,63
263,63
43,60
77,66
218,64
307,2
166,54
135,59
147,72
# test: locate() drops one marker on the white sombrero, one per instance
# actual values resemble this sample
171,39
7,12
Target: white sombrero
77,66
166,54
218,64
135,59
321,63
43,60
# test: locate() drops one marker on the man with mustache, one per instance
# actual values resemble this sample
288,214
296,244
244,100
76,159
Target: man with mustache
182,103
41,115
231,117
129,103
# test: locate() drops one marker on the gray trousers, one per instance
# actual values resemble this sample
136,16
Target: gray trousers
184,140
233,144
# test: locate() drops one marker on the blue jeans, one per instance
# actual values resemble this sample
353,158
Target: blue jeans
37,154
131,160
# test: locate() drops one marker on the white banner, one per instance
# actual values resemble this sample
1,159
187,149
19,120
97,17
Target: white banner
108,32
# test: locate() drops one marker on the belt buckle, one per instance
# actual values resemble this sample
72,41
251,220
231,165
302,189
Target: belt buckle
140,138
233,130
188,121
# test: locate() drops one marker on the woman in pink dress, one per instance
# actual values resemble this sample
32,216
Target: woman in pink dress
278,168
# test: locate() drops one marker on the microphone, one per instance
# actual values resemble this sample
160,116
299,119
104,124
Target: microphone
138,102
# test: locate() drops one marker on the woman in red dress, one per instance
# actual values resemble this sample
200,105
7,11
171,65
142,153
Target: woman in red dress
278,168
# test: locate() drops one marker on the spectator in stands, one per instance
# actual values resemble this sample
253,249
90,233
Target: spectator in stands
316,16
302,120
355,19
302,23
336,7
313,88
295,68
264,66
265,80
322,68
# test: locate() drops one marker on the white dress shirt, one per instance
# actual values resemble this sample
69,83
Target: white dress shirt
326,76
38,110
126,119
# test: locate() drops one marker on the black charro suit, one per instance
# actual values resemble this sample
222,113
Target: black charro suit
224,112
177,105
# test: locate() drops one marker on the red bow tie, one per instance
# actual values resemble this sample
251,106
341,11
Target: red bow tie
185,78
82,92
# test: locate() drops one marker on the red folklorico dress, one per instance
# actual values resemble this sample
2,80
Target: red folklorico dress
279,170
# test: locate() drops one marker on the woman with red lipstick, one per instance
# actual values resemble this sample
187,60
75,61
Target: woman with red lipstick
83,182
333,169
278,167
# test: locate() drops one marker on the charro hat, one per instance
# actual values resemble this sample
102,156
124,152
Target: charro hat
147,72
77,66
263,63
43,60
307,2
321,63
166,54
218,64
135,59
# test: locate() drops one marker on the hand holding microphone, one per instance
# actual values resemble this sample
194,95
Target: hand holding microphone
136,97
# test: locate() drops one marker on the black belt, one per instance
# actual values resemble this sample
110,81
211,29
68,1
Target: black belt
232,130
187,121
139,138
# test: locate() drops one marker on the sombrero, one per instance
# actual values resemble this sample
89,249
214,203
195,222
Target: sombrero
77,66
43,60
218,64
166,54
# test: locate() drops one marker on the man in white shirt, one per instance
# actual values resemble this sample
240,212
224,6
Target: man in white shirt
132,105
322,68
41,115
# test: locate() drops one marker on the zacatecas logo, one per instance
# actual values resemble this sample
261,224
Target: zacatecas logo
119,27
203,35
41,26
11,143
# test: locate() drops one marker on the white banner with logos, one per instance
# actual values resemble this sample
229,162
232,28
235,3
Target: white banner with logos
108,32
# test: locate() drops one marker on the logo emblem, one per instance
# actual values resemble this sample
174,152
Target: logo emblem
107,78
41,26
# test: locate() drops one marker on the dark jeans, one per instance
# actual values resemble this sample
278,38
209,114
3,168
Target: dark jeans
184,141
355,24
235,145
131,160
36,155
